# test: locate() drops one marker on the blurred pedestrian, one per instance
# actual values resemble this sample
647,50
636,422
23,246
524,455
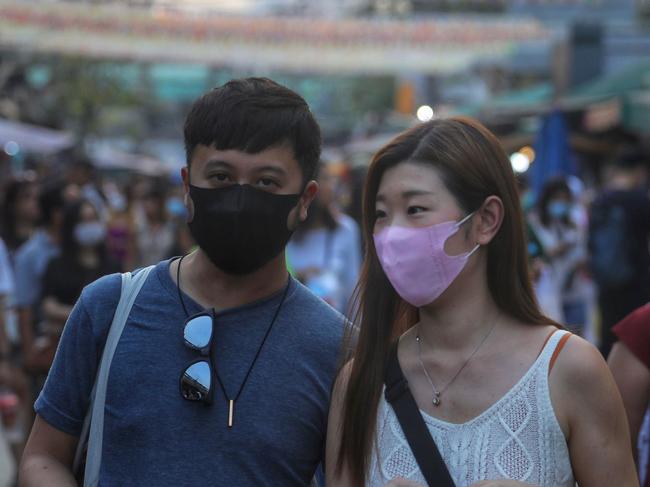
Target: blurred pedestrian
225,366
560,283
619,239
82,260
448,312
20,212
629,362
155,232
324,252
121,230
30,264
13,386
83,173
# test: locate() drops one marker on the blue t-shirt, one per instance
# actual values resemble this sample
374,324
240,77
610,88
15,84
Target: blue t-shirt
152,436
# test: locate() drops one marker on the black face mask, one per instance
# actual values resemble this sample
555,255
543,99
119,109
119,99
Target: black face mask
240,228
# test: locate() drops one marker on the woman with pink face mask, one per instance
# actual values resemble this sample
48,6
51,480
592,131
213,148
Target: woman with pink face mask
448,319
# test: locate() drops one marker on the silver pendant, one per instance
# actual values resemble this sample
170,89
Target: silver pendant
436,399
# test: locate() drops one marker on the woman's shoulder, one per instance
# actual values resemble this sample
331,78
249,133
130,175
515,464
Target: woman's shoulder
579,379
579,361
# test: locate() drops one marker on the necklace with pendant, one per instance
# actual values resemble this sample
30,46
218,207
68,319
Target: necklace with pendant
437,393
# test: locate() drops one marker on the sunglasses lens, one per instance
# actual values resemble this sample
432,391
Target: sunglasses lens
198,332
196,382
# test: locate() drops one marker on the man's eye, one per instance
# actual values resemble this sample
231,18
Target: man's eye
219,176
267,182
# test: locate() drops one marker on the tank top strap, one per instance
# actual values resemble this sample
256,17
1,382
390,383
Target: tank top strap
554,344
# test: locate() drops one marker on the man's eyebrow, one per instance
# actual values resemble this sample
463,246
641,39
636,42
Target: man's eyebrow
274,169
212,163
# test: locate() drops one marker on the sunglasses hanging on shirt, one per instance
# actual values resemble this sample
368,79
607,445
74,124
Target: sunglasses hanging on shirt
196,381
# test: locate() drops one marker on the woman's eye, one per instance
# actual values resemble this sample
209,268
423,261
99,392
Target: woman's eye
380,214
412,210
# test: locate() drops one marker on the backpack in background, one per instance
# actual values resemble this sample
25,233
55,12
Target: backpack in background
611,246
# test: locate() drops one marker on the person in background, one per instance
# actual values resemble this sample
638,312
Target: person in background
619,239
82,260
183,241
7,460
20,212
356,178
30,264
82,173
155,232
324,252
120,237
629,362
564,254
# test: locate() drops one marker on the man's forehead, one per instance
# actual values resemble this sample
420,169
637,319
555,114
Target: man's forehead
278,158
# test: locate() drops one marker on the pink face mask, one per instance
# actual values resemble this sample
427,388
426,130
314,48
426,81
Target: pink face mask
415,261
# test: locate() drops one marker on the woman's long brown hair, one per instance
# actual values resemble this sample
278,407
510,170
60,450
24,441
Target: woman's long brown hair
473,166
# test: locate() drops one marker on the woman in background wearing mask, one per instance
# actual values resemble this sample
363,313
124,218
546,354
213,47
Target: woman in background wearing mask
509,399
564,243
324,252
83,259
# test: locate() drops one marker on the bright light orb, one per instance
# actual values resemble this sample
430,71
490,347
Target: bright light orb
425,113
520,162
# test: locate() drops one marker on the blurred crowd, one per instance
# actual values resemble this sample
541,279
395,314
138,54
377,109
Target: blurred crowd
588,252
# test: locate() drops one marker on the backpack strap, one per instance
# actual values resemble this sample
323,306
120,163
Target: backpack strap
93,428
424,449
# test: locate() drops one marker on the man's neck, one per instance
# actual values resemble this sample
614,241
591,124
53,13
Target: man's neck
212,288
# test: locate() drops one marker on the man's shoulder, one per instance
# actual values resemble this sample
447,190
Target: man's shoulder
104,293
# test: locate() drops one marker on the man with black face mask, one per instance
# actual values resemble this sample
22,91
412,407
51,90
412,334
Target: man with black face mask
223,372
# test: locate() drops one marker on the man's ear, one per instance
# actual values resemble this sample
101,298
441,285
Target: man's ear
299,213
308,195
189,204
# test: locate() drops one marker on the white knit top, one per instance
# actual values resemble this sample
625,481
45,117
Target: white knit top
517,438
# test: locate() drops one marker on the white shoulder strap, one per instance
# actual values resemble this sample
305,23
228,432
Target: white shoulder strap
93,428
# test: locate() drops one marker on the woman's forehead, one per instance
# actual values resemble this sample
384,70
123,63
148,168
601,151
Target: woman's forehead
411,176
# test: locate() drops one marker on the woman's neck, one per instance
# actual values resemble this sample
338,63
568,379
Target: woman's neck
459,320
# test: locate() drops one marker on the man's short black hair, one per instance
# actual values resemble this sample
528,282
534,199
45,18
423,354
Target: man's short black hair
251,115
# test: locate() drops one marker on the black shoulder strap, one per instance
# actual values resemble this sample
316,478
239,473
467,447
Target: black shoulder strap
415,430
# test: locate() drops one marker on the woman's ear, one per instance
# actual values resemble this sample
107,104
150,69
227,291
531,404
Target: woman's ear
488,220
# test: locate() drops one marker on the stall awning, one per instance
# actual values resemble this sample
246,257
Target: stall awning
34,139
